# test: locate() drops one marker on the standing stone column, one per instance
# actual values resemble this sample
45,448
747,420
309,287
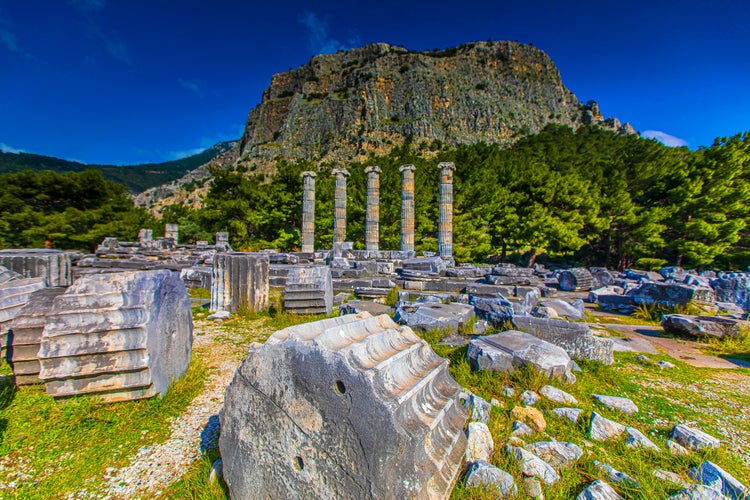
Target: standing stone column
445,219
339,206
172,231
407,207
308,211
372,218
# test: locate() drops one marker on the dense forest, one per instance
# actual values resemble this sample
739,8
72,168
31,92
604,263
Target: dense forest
590,196
73,210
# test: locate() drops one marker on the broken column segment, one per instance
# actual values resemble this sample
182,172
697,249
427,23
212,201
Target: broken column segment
445,217
576,279
146,238
25,335
222,242
339,206
239,282
309,290
407,207
348,407
308,211
122,336
14,295
172,231
372,217
54,266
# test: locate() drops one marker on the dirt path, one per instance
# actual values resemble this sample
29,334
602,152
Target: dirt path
155,467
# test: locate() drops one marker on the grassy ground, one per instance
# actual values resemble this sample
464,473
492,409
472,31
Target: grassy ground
48,448
664,397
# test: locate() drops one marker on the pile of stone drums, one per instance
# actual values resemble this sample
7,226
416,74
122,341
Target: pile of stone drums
117,335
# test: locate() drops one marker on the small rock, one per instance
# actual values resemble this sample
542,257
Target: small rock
520,429
599,490
671,477
615,475
485,474
714,476
508,392
531,416
529,398
676,449
556,453
642,358
557,395
479,443
603,429
217,471
219,315
617,403
478,409
533,488
571,414
693,439
698,492
481,327
636,439
533,466
665,365
497,404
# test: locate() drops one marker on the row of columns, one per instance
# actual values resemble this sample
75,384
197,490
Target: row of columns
372,217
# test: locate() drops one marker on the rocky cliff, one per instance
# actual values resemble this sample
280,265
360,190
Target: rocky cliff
342,106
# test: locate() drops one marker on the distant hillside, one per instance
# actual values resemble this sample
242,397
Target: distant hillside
137,178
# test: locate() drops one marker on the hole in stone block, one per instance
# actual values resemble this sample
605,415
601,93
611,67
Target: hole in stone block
340,387
299,464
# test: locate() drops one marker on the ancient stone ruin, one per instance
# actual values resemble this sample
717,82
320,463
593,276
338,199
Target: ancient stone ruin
121,336
239,282
350,407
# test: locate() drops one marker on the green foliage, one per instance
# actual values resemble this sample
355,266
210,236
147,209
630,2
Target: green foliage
650,264
75,210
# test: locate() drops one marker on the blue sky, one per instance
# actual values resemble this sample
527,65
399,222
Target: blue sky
132,81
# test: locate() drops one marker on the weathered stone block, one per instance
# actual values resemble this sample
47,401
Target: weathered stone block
703,326
671,294
734,289
25,335
448,317
576,279
513,349
54,266
575,338
240,282
122,336
348,407
309,290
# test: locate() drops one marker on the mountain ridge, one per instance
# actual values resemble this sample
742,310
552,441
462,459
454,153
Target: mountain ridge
137,178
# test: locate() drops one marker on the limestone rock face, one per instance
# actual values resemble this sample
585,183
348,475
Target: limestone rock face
54,266
122,336
348,407
239,282
513,349
25,335
358,101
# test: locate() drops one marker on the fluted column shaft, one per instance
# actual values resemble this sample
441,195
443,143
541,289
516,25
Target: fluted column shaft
372,216
407,207
308,211
339,206
445,219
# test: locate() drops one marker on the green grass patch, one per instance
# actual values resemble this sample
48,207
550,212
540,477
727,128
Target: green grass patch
49,448
729,347
199,293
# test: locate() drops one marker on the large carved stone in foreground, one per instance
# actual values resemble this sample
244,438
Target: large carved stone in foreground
54,266
239,282
123,336
349,407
